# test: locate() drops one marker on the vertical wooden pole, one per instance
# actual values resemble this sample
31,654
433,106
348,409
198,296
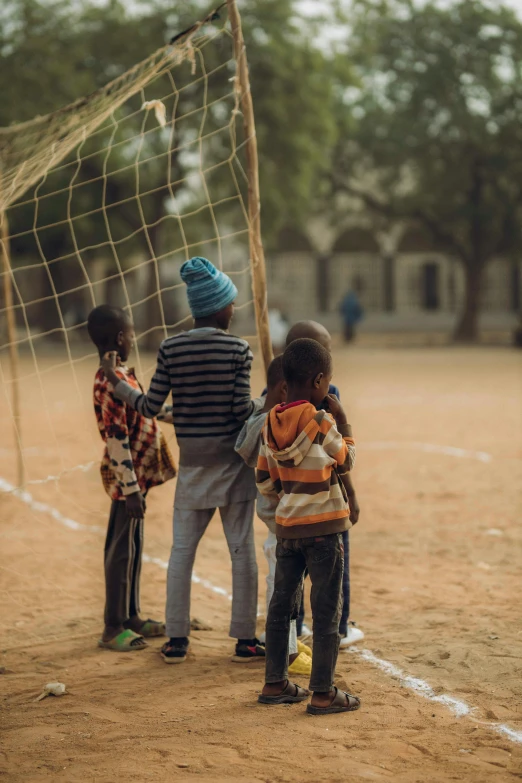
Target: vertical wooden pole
13,347
257,256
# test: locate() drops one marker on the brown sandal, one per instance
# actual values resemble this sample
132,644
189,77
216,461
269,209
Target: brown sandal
338,704
292,694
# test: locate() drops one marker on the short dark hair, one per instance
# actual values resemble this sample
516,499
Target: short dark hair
275,372
104,323
311,330
304,359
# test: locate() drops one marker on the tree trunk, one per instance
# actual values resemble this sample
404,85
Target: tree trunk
389,297
322,277
467,330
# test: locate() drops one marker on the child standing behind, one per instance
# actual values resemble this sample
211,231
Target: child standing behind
302,465
248,446
208,372
350,633
136,459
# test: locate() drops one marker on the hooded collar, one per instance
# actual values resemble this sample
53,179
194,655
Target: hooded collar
290,431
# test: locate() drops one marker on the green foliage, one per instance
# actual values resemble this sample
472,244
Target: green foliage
293,86
52,53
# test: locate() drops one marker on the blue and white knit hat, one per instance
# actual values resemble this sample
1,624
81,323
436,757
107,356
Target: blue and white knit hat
208,289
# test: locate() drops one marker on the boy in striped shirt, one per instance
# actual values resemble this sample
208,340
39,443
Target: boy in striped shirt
208,372
350,633
302,465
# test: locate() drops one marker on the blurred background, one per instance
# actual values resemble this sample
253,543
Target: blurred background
390,144
390,152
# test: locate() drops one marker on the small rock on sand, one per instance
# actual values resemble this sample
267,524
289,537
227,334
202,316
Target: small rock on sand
199,625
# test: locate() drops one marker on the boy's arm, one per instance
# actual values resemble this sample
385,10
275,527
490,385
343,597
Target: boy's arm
118,448
346,478
242,404
339,443
149,404
264,482
166,414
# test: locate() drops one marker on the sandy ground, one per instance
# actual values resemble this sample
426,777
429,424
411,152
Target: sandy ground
436,592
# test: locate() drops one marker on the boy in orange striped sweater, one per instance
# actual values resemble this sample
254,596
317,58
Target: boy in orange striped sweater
304,458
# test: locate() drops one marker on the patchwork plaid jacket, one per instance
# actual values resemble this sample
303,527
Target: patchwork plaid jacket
136,455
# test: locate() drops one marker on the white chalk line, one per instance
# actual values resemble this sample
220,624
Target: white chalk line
72,524
77,469
457,707
429,448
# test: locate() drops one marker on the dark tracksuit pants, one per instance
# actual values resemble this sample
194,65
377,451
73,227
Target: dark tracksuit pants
122,558
323,557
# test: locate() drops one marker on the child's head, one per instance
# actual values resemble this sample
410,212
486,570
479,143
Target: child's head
276,384
211,293
311,330
111,329
307,367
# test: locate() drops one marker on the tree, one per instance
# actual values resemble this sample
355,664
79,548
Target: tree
52,53
438,132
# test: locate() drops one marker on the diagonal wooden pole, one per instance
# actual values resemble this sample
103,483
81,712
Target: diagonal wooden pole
13,347
257,256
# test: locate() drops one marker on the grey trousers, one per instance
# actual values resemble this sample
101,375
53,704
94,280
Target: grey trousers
122,559
189,526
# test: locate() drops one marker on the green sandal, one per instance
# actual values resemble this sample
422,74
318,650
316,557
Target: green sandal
126,641
152,628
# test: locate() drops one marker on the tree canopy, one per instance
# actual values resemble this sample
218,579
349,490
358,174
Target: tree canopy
438,127
52,53
417,114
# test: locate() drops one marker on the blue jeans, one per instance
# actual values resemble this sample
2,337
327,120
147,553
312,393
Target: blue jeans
345,615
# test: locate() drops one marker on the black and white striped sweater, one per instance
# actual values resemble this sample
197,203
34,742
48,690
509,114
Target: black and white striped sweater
208,372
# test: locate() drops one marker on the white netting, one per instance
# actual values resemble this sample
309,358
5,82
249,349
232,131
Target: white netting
103,201
150,173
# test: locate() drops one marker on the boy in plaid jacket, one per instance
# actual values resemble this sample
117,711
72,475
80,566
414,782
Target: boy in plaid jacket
136,458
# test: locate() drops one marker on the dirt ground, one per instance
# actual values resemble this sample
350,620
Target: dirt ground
436,575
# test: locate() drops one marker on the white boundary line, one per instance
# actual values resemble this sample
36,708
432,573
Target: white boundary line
457,707
77,469
385,445
44,508
430,448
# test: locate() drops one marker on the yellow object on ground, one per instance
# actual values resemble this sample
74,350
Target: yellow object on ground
304,648
302,666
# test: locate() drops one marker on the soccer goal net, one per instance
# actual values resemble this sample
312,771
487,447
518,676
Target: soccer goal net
102,201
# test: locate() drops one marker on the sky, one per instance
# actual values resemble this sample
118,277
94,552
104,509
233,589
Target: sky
311,6
333,33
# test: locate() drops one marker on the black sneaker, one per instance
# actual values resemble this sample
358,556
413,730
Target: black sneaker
175,650
248,650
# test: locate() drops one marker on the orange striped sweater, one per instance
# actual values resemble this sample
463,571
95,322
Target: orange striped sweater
300,450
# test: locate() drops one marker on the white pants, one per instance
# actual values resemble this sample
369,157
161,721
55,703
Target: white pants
269,548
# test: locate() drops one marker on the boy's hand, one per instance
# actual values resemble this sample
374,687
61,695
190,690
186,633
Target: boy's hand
166,414
335,408
108,364
354,509
135,505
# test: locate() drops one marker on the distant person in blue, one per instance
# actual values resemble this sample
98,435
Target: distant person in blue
352,312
